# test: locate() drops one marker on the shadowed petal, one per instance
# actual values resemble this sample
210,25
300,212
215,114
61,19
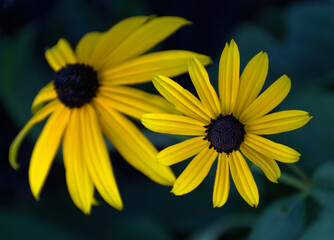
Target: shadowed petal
86,47
46,94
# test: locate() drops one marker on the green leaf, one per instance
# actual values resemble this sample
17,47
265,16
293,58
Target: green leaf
283,219
323,185
322,228
222,225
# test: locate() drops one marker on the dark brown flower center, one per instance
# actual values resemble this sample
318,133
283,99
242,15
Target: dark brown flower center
76,84
225,133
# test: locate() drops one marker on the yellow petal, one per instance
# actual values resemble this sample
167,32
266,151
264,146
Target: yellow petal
86,47
144,38
79,182
271,149
60,55
182,99
278,122
222,182
134,102
195,172
173,124
114,37
267,101
38,117
229,66
181,151
46,148
204,89
96,157
142,69
268,165
46,94
251,81
243,178
132,144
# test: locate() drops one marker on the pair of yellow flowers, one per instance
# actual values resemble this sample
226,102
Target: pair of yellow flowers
88,99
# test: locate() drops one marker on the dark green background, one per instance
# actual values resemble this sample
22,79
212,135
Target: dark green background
299,39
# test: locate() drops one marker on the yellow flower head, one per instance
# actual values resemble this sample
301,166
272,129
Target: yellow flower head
87,100
227,127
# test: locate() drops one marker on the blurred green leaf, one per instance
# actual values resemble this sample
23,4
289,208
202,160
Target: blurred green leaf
283,219
15,225
323,185
322,228
221,225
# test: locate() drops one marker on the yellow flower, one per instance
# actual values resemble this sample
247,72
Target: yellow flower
87,100
226,126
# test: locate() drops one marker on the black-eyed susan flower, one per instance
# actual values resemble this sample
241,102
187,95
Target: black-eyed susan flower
87,100
227,127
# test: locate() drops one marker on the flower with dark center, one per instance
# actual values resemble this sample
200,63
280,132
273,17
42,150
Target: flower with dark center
227,127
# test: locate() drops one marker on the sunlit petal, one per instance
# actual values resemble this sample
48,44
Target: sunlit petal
222,182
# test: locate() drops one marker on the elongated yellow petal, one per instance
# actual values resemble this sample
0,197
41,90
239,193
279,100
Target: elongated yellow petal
222,182
181,151
79,182
271,149
268,165
46,94
278,122
134,102
229,66
181,98
251,81
173,124
143,68
96,157
243,179
195,172
267,101
132,144
86,47
144,38
38,117
114,37
205,91
60,55
46,148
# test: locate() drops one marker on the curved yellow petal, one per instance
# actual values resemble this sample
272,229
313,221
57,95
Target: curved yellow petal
96,157
144,38
205,91
181,151
182,99
271,149
243,178
268,165
251,81
46,94
60,55
79,182
116,35
38,117
173,124
46,148
267,101
229,66
134,102
195,172
86,47
278,122
221,188
143,68
135,148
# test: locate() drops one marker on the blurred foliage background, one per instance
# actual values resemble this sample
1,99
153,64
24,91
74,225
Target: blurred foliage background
299,38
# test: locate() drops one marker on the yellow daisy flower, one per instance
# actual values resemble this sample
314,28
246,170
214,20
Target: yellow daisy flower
227,127
87,100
